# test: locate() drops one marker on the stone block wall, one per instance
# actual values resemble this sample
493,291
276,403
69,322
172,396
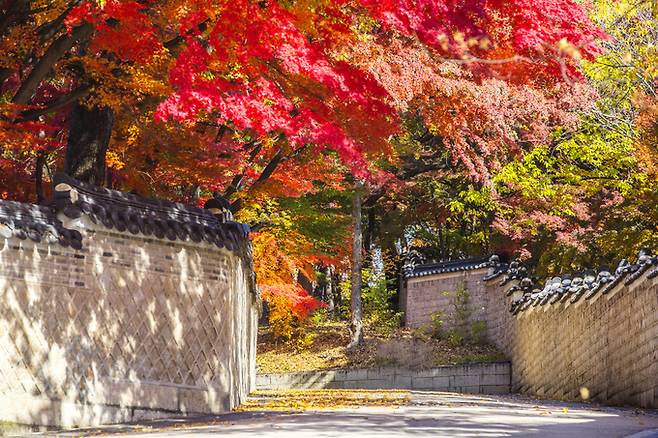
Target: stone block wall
426,295
594,337
476,378
604,347
125,327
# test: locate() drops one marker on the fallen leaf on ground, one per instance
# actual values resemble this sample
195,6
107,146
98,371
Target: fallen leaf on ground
325,399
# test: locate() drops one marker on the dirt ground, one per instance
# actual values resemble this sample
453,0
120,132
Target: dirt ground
403,347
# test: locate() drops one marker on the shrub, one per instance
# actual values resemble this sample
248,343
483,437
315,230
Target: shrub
377,308
301,340
288,324
462,312
320,316
289,309
423,333
282,319
478,332
436,329
461,331
345,291
378,312
454,337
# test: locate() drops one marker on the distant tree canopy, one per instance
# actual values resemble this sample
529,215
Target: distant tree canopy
475,126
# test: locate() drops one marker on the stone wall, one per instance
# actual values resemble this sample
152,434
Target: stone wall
604,348
127,326
428,294
475,378
592,337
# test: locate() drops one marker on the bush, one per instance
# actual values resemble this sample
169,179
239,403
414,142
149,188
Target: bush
461,331
454,337
290,307
378,312
436,329
460,303
478,332
377,308
320,317
345,291
288,326
302,340
282,319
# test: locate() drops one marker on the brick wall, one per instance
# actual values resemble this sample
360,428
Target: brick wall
607,344
426,295
127,327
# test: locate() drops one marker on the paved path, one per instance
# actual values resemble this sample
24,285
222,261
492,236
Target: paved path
429,414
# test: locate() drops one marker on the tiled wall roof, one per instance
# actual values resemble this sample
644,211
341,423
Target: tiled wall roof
36,223
412,269
120,211
560,289
570,288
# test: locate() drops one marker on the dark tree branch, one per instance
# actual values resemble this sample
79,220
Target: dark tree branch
413,169
267,172
176,42
4,74
271,167
13,13
58,103
50,29
38,176
236,183
56,50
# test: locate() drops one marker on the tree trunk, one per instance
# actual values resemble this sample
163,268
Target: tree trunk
338,298
369,236
38,176
392,268
329,291
89,138
356,326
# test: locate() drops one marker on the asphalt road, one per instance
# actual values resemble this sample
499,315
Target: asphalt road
429,414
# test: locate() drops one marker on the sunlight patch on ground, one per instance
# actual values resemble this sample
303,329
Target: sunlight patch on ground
325,399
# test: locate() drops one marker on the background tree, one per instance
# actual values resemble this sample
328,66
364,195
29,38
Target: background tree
588,197
272,103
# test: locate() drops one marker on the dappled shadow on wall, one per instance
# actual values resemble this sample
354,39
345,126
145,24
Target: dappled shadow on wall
129,326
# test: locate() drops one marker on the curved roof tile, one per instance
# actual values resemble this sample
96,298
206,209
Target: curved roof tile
423,270
124,212
36,223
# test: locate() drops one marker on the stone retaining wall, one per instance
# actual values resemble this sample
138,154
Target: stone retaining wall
476,378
